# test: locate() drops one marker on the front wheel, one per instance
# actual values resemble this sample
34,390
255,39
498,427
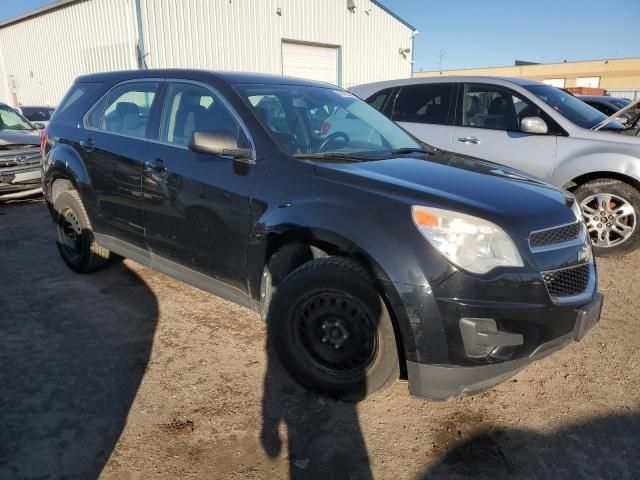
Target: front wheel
610,208
332,331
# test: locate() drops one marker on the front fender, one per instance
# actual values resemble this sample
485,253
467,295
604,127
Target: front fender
605,162
389,245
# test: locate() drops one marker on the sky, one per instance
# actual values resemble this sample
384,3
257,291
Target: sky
485,33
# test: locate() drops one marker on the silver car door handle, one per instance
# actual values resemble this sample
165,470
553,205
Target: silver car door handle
469,140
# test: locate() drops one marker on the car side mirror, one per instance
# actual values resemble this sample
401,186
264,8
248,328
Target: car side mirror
621,119
39,126
217,143
533,125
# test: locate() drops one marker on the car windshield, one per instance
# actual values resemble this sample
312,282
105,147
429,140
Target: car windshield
572,108
324,122
12,120
37,114
620,102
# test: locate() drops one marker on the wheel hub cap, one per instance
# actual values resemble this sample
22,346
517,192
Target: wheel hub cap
610,219
334,333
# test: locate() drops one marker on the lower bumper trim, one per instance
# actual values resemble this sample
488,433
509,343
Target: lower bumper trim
20,194
441,382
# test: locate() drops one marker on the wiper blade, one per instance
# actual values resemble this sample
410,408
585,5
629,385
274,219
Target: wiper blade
400,151
332,156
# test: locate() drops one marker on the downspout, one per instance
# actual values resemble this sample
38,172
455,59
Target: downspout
140,48
413,51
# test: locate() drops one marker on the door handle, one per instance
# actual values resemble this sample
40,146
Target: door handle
469,140
87,145
156,168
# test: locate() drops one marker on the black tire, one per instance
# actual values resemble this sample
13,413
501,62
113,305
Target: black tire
620,191
75,240
331,330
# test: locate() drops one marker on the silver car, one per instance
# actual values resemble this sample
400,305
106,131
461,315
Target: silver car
534,127
19,156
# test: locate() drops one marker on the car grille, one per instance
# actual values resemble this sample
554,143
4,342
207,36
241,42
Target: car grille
568,281
555,235
18,159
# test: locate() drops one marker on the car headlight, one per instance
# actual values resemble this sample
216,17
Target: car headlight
471,243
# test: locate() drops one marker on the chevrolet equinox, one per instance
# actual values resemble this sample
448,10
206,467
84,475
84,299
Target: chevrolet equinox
370,256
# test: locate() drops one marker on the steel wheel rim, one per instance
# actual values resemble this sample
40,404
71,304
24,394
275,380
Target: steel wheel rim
611,220
70,233
335,335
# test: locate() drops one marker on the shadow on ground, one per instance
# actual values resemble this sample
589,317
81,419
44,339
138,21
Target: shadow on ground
323,437
73,351
601,448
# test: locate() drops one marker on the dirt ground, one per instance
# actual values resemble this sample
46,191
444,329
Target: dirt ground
128,374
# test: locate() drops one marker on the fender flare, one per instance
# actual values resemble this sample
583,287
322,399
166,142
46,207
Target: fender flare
597,165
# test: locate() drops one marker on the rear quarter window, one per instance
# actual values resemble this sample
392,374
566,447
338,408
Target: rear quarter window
74,97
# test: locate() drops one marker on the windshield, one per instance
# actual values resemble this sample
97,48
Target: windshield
620,102
37,114
570,107
12,120
306,120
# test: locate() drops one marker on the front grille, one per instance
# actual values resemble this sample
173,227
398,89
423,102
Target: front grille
555,235
27,156
568,281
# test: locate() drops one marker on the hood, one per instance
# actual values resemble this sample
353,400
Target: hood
13,137
515,201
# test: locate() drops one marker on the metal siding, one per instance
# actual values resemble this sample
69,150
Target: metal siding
46,52
98,35
247,35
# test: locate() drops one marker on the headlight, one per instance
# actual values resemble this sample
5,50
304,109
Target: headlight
471,243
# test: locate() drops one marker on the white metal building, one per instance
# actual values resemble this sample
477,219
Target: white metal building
345,42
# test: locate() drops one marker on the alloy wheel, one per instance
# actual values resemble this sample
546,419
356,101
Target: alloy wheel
610,219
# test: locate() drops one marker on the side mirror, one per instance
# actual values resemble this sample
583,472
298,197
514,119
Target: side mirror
39,126
533,125
218,143
621,119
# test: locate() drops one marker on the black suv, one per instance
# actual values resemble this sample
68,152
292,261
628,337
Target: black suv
370,255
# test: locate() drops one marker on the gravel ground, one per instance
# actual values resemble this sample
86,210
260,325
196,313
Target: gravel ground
128,374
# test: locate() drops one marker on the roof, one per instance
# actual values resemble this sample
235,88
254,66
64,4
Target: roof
38,11
368,89
195,74
534,65
61,3
401,20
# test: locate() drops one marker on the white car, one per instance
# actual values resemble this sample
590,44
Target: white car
533,127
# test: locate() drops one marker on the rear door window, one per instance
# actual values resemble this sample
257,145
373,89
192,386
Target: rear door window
425,103
125,110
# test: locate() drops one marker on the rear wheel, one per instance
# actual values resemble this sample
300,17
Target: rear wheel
610,208
75,240
332,330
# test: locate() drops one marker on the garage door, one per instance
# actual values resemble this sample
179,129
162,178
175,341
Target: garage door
310,61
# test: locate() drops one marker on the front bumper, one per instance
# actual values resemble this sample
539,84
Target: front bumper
441,382
467,334
20,182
